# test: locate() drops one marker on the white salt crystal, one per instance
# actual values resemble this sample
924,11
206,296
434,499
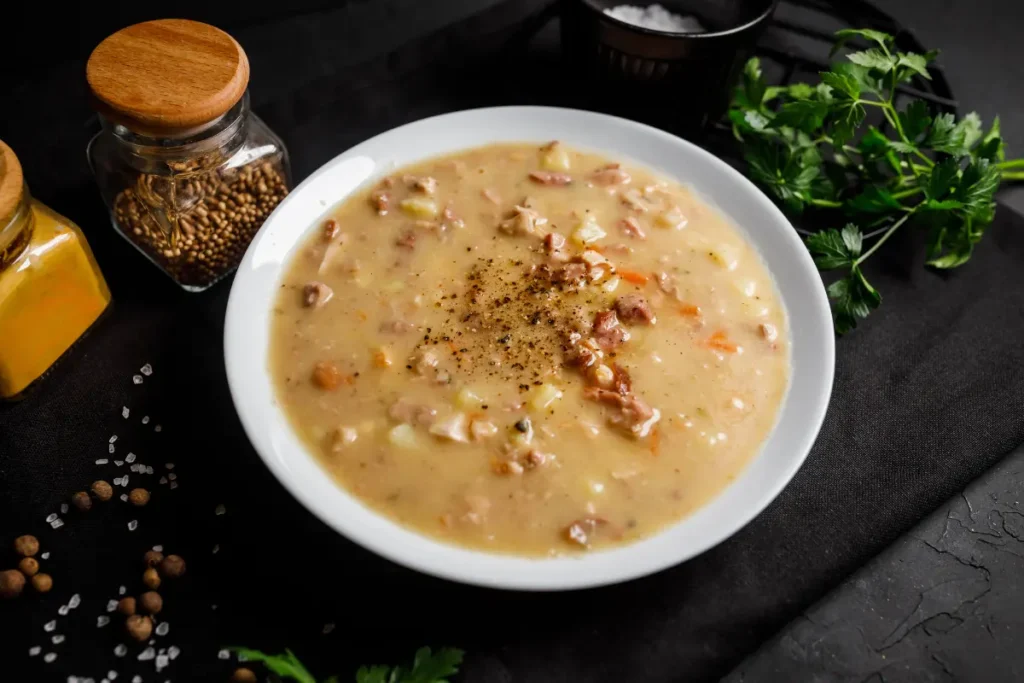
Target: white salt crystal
158,548
163,480
75,601
162,628
220,509
124,497
223,654
147,654
112,675
134,468
157,428
50,625
146,369
57,523
102,461
50,517
121,590
213,607
117,481
62,610
328,628
45,555
136,679
34,650
137,379
119,462
161,662
124,480
173,652
169,465
49,657
172,476
145,419
133,525
216,549
149,469
110,448
112,605
112,439
102,620
130,457
57,639
63,508
174,485
121,650
656,18
125,412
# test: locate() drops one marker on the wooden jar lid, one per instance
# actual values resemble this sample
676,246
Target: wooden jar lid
168,76
12,184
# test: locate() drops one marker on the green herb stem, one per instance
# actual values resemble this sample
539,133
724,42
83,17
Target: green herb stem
881,240
1010,163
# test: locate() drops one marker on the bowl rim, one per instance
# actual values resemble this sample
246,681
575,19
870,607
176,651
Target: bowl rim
702,35
300,473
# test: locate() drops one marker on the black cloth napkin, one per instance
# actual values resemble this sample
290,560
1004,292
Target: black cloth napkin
928,393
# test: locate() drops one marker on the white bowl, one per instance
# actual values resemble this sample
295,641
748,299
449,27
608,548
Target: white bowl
246,341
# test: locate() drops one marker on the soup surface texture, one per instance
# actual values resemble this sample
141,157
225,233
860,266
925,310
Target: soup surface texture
529,349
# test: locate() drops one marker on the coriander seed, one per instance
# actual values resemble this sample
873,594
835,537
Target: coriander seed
126,606
139,627
153,558
28,566
42,582
172,566
138,497
82,501
243,675
102,490
151,602
151,578
26,545
12,582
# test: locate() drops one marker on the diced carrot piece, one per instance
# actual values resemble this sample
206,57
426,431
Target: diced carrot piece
690,310
655,438
633,276
720,342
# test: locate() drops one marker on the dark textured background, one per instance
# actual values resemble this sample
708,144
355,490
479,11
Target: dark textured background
927,395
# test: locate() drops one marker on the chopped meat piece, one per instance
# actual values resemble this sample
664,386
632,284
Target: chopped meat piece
522,221
622,383
424,362
404,410
381,201
582,531
424,184
570,272
548,178
330,229
554,242
632,415
506,467
768,332
607,331
316,294
491,196
631,227
633,308
407,240
634,201
535,458
451,219
581,357
397,326
610,175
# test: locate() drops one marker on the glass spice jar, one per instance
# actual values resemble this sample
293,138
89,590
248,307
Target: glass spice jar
187,171
51,290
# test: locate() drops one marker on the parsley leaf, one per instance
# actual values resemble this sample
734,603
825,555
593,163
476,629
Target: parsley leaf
913,64
943,175
805,115
287,665
873,59
915,119
874,199
884,40
978,185
751,90
427,667
946,136
853,299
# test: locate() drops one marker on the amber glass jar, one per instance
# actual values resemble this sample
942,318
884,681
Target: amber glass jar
188,172
51,290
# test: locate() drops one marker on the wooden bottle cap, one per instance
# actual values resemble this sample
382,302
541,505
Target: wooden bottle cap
168,76
12,184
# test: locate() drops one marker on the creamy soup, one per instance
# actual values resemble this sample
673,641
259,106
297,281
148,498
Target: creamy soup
529,349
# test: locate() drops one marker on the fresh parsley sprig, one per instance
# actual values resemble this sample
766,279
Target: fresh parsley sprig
427,667
810,147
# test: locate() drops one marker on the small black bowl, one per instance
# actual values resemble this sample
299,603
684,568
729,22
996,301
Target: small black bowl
678,81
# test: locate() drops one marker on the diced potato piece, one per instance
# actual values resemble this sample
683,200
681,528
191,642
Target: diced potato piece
420,207
673,218
403,436
724,255
747,288
611,285
603,375
597,272
593,258
343,437
544,396
588,232
467,399
455,428
555,158
482,429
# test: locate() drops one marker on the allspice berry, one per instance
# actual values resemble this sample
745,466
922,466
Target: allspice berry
126,606
151,578
42,583
138,497
153,558
12,582
26,545
139,627
102,490
172,566
243,675
151,602
82,501
28,566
